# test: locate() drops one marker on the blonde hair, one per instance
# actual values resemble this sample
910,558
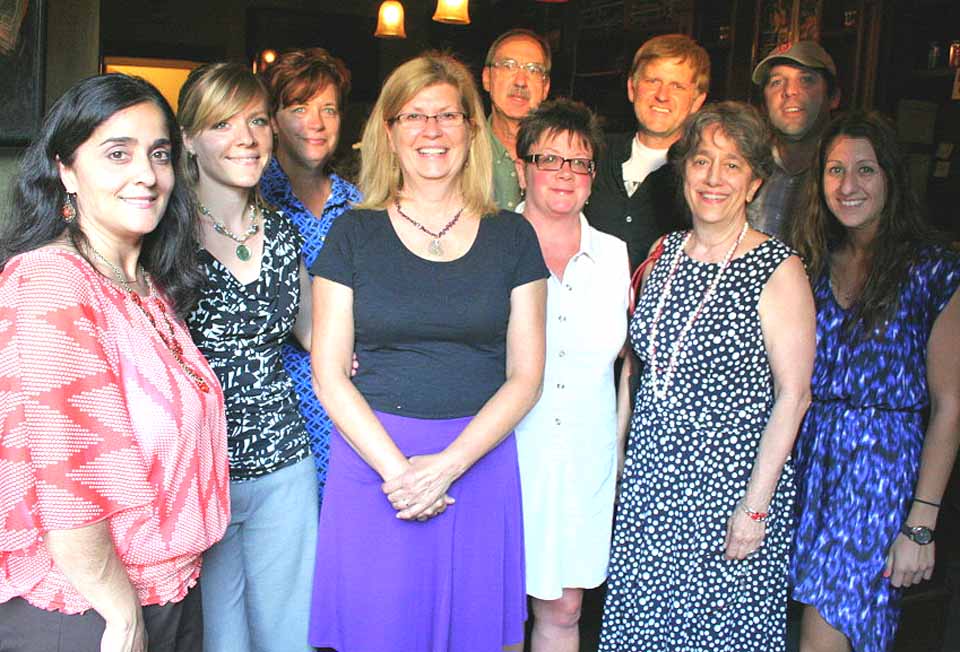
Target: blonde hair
675,46
381,178
214,92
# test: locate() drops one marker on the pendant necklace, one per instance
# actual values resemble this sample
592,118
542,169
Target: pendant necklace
434,248
660,387
176,350
243,252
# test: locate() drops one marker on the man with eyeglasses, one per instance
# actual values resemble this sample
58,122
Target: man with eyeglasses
799,82
516,74
634,194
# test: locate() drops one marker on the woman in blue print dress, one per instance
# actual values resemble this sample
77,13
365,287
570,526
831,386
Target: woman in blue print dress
308,89
871,469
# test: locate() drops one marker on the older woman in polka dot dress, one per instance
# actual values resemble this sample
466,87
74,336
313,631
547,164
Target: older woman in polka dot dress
724,329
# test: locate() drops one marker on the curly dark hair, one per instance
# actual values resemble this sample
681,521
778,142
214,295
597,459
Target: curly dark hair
168,253
902,228
739,122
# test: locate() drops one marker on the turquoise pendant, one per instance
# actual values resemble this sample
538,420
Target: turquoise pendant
243,253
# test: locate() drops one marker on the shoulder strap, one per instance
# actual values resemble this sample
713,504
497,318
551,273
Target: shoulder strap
637,279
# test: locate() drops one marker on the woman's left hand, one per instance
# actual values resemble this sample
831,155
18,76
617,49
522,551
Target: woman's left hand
909,563
417,490
744,535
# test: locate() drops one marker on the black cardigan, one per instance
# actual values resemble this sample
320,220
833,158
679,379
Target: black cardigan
655,208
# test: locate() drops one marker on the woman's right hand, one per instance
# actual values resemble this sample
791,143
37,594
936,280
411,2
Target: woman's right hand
421,488
125,637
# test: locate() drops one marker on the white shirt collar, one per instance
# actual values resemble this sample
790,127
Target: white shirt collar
587,241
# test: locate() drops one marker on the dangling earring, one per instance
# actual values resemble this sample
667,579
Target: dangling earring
69,209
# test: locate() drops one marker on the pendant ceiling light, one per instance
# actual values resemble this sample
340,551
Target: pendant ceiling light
454,12
390,20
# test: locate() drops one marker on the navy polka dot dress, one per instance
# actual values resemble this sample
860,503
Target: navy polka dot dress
858,452
689,458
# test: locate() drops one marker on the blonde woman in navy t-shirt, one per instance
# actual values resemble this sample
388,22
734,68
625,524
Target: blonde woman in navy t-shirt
443,301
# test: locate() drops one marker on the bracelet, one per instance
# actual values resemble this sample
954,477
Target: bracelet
759,517
926,502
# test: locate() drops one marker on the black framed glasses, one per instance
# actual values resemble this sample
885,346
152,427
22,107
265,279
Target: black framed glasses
420,120
512,65
552,163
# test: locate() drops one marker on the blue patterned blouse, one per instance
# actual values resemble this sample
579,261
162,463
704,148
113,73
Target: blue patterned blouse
276,189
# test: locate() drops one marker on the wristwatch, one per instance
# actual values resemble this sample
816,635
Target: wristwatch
920,535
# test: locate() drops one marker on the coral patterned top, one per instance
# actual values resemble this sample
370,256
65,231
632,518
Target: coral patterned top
99,421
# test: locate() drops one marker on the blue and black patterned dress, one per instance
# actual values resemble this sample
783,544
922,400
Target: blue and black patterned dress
858,453
275,187
688,462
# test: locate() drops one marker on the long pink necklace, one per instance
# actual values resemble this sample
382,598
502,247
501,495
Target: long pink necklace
660,388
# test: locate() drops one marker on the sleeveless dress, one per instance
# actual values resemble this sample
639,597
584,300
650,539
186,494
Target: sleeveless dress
689,458
858,453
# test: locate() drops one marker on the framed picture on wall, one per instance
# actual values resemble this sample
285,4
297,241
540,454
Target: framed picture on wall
22,32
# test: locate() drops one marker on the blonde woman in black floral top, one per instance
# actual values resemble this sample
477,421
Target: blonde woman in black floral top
253,597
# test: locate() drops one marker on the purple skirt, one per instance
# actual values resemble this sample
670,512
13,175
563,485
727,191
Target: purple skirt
454,583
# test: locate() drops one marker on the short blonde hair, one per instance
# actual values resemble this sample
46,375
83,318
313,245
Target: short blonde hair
380,175
675,46
214,92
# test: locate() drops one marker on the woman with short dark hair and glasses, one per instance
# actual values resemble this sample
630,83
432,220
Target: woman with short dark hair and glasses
443,300
568,443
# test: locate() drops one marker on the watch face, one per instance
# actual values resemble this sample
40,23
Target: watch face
922,535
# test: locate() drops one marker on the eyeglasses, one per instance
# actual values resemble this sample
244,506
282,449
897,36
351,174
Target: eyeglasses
552,163
512,66
420,120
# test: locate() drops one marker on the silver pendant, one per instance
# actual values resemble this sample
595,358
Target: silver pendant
434,248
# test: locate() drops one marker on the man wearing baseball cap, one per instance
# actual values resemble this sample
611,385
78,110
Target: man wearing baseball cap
799,82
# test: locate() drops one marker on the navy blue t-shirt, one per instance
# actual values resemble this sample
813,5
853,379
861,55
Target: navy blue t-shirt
430,336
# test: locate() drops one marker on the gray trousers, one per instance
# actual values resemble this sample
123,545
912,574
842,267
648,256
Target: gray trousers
173,627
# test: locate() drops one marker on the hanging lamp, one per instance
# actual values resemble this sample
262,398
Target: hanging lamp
454,12
390,20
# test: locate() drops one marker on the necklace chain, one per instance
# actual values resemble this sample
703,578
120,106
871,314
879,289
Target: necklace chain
172,344
434,247
242,251
660,388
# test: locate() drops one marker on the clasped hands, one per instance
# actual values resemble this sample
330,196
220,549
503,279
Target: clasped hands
420,491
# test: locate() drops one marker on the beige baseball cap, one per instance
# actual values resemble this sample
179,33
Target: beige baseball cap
806,53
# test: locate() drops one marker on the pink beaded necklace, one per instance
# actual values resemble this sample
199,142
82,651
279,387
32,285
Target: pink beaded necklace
660,388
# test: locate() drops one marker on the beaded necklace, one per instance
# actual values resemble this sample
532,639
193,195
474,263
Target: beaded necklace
172,344
660,388
434,247
242,251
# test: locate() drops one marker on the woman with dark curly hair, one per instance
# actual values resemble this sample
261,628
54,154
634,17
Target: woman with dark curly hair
872,468
113,465
724,331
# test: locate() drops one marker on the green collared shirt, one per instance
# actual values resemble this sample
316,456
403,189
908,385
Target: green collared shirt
506,188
